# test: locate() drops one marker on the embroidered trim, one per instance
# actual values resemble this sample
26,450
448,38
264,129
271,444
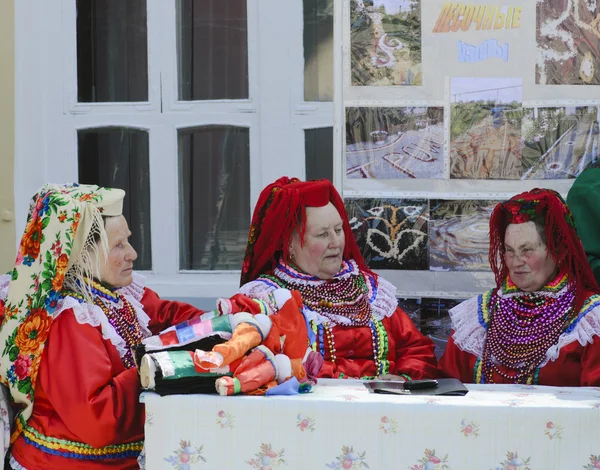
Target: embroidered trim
77,450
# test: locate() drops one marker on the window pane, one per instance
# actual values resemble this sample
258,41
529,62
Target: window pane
318,50
112,51
212,49
214,197
117,157
318,150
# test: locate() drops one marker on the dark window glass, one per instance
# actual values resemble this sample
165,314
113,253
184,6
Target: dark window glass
117,157
318,150
112,51
214,198
212,49
318,50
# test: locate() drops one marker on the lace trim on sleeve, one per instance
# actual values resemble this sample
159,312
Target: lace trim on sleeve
385,303
257,287
87,314
587,327
469,334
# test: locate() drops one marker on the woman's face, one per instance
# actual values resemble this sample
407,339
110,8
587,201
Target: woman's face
116,270
324,242
529,265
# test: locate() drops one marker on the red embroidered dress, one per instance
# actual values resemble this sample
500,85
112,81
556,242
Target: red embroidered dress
355,323
87,413
531,338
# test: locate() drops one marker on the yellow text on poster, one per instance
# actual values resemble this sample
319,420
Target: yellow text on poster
462,16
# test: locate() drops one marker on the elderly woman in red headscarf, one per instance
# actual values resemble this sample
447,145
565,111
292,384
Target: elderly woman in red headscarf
541,323
300,240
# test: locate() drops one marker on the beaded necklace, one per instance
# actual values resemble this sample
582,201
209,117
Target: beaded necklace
342,300
120,314
379,343
522,329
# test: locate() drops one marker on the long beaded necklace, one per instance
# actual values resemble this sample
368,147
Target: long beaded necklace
120,314
379,344
521,331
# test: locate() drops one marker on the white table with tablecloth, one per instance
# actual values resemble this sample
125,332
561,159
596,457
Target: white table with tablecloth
340,425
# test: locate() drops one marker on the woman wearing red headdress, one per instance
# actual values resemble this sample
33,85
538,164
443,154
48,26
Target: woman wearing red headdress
541,324
300,240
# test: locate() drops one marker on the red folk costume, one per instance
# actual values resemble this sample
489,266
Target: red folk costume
354,319
547,337
67,340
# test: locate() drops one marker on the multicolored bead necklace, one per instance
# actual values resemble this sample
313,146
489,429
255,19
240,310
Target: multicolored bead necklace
379,343
120,314
522,329
343,300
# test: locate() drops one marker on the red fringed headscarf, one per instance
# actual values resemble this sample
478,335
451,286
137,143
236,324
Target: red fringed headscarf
561,238
281,210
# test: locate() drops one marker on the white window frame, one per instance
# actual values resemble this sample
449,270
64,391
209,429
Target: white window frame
48,117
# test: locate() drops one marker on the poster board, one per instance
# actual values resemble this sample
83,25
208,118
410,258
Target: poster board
451,107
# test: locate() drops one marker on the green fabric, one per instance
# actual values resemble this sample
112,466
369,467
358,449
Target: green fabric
584,201
182,363
221,323
183,366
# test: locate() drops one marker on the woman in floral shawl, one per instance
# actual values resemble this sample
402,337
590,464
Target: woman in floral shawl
541,324
73,309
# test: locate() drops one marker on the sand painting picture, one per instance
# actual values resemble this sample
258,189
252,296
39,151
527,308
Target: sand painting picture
459,234
391,233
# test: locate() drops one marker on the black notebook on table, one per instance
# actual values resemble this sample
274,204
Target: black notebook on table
447,387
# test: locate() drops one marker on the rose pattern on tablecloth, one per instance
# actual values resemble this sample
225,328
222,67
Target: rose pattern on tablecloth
185,456
149,419
431,462
433,401
596,406
388,425
349,397
514,462
349,460
594,463
469,428
267,458
553,431
225,420
305,423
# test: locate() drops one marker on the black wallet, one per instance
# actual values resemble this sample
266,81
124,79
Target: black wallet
447,387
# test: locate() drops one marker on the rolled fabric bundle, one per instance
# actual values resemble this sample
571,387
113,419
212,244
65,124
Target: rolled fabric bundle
170,372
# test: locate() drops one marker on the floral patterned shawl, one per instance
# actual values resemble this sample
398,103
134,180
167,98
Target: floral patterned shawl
58,236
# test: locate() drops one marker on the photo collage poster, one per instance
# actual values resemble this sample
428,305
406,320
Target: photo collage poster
445,109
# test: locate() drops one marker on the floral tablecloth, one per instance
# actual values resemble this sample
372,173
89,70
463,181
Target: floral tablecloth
343,426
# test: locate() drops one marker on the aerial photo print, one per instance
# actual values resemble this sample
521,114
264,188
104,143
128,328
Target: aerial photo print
389,143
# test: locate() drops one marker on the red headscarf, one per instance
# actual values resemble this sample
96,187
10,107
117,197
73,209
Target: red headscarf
281,210
561,238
